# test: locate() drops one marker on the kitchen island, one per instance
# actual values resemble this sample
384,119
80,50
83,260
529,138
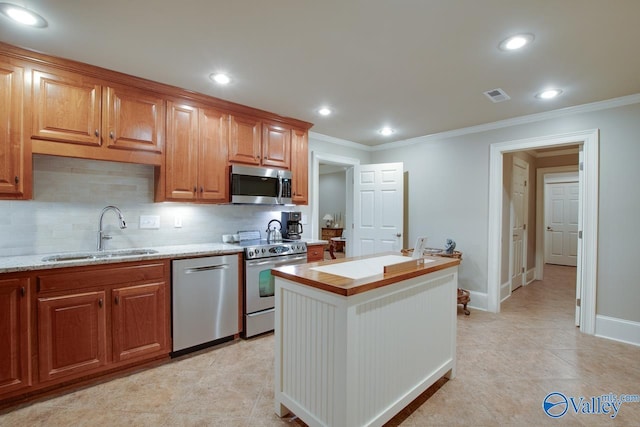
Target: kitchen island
356,344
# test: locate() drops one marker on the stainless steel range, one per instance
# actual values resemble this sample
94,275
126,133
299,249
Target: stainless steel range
259,258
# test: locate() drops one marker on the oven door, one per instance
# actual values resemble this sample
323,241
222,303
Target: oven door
260,288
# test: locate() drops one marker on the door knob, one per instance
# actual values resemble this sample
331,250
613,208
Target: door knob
399,235
549,229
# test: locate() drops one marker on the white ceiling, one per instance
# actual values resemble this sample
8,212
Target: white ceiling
420,66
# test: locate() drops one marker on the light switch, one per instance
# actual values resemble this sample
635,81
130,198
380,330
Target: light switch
150,221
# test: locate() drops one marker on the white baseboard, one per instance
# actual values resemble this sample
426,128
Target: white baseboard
505,290
530,275
615,329
479,300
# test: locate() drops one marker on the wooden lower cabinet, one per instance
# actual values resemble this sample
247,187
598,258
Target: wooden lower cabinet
66,325
139,318
15,373
72,334
315,252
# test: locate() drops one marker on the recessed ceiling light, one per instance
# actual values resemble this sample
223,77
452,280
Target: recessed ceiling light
324,111
386,131
23,16
220,78
549,94
516,42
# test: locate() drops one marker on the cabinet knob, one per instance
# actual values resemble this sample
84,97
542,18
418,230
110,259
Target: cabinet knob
195,190
97,133
112,135
202,189
100,303
23,291
16,179
117,300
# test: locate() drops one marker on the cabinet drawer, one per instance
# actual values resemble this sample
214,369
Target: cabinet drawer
315,253
100,277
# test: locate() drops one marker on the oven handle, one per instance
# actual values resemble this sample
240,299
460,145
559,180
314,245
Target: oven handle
271,310
205,268
276,263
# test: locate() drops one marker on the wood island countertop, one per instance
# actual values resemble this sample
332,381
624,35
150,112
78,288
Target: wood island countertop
307,274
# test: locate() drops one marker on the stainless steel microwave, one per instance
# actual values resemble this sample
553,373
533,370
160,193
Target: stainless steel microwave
260,186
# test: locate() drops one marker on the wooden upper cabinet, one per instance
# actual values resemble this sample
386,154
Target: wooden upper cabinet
15,161
213,176
101,121
140,321
67,108
300,166
245,140
133,120
15,359
276,145
72,335
196,164
181,175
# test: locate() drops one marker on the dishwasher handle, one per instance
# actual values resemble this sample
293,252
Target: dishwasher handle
191,270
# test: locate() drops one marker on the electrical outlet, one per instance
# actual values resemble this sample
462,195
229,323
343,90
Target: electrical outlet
177,221
150,222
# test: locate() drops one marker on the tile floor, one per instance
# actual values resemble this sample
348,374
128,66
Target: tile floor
507,364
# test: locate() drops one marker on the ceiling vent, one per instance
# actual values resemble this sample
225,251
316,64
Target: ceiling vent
497,95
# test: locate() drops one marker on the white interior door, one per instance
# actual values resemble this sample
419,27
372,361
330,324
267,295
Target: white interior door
519,198
378,209
561,222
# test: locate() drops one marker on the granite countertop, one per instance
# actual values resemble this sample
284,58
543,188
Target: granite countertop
351,276
12,264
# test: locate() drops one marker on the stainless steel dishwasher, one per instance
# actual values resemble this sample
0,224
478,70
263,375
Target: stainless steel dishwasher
204,300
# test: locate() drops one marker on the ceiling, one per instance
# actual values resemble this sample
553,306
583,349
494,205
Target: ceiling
419,66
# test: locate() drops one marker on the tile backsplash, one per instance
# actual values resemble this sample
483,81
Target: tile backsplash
69,195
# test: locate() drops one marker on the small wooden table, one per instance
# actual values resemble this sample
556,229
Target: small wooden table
335,244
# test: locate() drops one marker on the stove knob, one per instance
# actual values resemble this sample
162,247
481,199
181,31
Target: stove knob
250,254
263,250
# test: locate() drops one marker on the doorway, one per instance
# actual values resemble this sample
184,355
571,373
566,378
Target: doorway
587,259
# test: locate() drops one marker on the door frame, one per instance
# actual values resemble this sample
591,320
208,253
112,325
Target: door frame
320,157
588,261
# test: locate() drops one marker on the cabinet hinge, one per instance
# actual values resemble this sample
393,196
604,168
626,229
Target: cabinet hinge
581,166
578,302
580,234
525,182
523,269
524,226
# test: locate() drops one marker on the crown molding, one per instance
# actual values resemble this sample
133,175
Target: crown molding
531,118
333,140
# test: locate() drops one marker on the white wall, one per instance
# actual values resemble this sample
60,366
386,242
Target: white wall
332,197
69,195
448,197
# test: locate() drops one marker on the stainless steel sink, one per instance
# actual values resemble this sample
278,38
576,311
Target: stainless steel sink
98,255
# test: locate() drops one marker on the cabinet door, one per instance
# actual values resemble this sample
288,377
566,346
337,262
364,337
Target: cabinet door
182,152
71,335
14,335
66,108
276,145
133,120
244,140
140,324
300,166
12,172
213,176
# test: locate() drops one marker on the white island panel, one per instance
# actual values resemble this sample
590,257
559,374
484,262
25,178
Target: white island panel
358,360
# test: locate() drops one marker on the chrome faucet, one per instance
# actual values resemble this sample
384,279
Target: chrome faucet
101,235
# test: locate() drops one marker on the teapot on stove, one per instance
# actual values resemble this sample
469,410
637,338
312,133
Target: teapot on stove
273,235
